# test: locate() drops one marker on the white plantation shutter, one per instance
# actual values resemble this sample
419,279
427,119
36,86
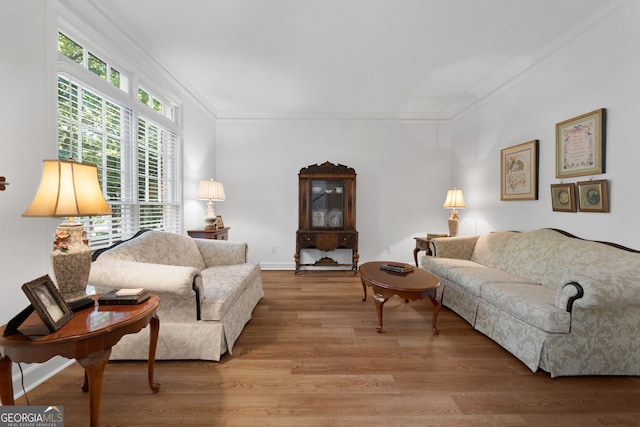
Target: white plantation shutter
139,171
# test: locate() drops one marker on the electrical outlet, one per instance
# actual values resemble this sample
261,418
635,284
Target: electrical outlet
273,249
388,249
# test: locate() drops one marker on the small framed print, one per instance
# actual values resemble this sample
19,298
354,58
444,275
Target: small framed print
563,197
318,218
48,303
593,196
335,218
519,172
219,222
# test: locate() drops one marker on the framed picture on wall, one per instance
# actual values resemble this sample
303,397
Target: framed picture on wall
593,196
563,197
519,172
580,145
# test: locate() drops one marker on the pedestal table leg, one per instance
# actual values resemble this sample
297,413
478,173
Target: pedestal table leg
153,343
380,300
94,365
436,310
6,382
364,289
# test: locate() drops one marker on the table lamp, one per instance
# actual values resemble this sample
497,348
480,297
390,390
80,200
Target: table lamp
70,189
212,191
455,200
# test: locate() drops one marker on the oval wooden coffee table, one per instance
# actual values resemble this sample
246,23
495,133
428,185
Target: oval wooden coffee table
415,285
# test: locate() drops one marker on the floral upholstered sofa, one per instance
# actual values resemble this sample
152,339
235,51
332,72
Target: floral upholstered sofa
207,292
565,305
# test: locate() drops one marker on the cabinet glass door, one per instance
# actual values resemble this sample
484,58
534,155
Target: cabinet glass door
327,203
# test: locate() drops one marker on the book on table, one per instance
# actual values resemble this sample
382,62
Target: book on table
124,296
397,267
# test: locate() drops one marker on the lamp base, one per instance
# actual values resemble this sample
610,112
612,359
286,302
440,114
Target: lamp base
453,223
71,259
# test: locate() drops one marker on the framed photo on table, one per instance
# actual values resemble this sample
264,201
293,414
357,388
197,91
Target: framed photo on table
48,303
563,197
593,196
519,172
580,145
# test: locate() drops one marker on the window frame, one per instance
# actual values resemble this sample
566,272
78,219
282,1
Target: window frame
129,211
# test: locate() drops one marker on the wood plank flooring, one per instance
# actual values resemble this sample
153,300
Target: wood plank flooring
311,356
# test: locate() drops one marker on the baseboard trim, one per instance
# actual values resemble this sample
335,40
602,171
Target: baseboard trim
36,373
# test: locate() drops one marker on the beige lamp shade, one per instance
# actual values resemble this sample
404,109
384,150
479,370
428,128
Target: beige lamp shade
211,190
68,189
454,200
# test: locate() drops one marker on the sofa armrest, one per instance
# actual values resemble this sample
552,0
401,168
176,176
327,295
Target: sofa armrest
603,289
158,278
567,294
459,247
222,252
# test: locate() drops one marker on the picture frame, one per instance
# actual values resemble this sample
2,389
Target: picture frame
219,222
580,145
519,172
593,196
563,197
318,218
47,302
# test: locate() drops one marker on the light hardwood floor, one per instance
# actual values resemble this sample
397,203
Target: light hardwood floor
311,356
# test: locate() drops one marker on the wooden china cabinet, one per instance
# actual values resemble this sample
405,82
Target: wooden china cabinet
327,213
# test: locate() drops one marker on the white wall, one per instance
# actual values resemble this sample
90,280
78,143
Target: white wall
402,179
596,70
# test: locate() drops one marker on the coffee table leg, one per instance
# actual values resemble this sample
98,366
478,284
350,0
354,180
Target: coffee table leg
153,344
380,300
436,311
364,289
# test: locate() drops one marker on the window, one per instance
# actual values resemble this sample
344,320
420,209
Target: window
138,158
89,60
153,101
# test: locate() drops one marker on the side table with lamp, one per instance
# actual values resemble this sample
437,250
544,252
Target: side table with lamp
454,200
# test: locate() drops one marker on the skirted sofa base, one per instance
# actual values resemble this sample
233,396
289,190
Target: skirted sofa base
207,291
558,303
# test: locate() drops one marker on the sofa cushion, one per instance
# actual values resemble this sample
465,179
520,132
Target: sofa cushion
472,279
534,304
223,285
158,247
491,248
441,266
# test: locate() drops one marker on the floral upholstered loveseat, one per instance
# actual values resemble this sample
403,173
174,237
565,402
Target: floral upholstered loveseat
565,305
207,292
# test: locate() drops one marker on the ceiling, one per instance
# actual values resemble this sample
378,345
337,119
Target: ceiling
350,58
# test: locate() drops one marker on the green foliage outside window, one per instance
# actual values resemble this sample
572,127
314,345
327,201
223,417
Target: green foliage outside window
69,48
97,66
